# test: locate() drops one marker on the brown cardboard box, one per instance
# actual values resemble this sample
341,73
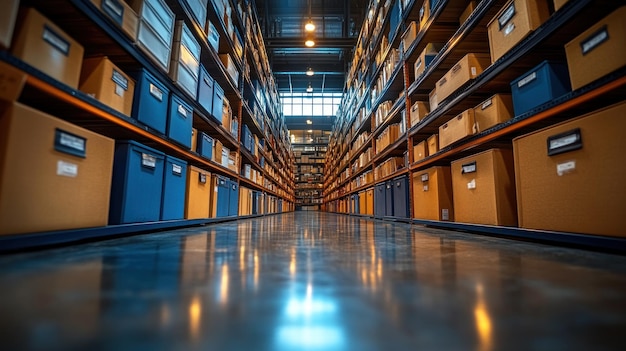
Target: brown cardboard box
213,199
194,139
231,69
8,14
53,175
484,188
513,23
420,151
457,128
433,99
409,35
244,202
493,111
43,45
432,194
419,66
13,81
468,68
419,110
107,83
433,144
599,50
559,3
121,14
467,12
198,193
369,209
569,177
362,203
217,151
424,13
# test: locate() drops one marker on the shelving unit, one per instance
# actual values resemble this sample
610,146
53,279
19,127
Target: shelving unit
309,171
370,107
253,99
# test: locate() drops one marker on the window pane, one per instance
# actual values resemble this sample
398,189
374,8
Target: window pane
318,101
317,110
307,110
287,100
287,110
297,101
297,110
328,110
334,111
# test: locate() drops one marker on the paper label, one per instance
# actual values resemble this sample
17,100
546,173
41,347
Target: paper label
56,40
445,214
114,9
468,168
565,167
202,178
564,141
148,160
474,72
529,78
67,169
596,39
486,104
472,184
120,80
425,177
509,29
425,188
119,91
506,16
156,92
177,169
73,142
182,111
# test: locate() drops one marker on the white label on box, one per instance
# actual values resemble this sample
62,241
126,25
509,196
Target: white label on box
445,214
509,28
119,91
425,188
119,79
472,184
565,167
72,142
506,15
182,111
595,40
473,71
148,160
564,141
56,40
527,79
67,169
156,92
486,104
425,177
177,169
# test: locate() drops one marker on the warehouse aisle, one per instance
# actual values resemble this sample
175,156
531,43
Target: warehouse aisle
312,281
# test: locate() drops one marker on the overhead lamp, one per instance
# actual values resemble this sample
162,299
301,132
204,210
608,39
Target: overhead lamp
309,89
310,131
308,121
309,26
309,72
309,43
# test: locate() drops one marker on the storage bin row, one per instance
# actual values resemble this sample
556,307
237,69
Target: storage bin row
58,176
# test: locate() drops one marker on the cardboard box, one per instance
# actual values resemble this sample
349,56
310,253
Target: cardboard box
217,151
156,30
424,13
53,175
121,14
199,190
43,45
484,188
433,144
409,35
545,82
457,128
369,202
467,12
559,3
514,22
493,111
425,58
468,68
194,139
433,99
569,177
362,203
185,65
419,110
8,15
598,51
231,69
420,151
213,199
432,194
104,81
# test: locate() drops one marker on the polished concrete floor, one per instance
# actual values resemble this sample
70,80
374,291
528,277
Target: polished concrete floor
312,281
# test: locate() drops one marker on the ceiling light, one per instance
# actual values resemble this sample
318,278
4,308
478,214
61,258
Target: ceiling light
308,121
309,72
309,43
310,131
309,89
309,26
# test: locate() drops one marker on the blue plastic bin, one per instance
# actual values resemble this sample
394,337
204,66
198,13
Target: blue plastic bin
205,145
205,90
174,189
546,82
401,197
150,101
218,102
389,198
233,201
137,183
180,121
380,204
223,196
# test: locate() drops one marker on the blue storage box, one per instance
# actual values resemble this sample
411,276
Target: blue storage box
401,197
218,102
255,202
246,138
233,202
205,145
150,101
180,121
205,90
389,198
544,83
394,19
380,204
137,183
174,189
223,196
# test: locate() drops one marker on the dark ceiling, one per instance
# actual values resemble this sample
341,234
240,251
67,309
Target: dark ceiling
337,25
